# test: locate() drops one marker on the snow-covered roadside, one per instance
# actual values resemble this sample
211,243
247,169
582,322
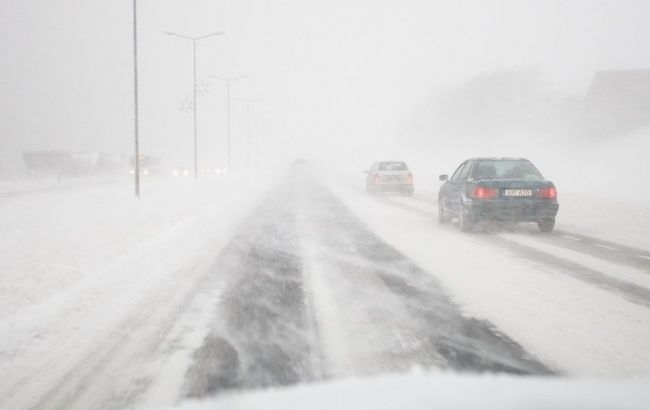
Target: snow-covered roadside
443,391
602,188
46,184
52,241
570,325
614,219
87,273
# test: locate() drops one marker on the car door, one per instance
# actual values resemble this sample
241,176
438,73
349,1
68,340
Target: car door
453,190
463,179
371,174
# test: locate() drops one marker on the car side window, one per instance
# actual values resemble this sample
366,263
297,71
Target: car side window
465,172
459,170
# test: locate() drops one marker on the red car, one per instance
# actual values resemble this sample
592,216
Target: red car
389,176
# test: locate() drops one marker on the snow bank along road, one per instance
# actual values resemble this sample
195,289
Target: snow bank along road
321,281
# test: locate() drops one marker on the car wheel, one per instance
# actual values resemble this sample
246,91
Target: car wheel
546,225
465,219
443,216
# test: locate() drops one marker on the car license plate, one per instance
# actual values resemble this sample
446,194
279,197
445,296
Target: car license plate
518,192
393,178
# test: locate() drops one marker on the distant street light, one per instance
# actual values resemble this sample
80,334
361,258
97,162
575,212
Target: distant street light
228,81
195,107
136,171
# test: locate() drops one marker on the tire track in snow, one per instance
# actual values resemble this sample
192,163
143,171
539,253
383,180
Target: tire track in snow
629,291
596,247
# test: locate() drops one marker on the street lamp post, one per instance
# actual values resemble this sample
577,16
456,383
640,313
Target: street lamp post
136,171
228,81
248,133
194,40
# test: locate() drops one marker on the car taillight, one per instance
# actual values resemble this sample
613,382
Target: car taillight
376,179
547,193
481,192
409,179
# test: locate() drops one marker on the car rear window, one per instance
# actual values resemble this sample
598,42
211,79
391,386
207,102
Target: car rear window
505,169
392,166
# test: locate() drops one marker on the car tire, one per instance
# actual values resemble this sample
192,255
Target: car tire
546,225
443,216
465,220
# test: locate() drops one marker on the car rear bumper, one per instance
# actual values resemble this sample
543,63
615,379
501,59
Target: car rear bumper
512,210
401,188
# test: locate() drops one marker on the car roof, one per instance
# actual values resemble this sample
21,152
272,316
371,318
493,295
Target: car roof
498,159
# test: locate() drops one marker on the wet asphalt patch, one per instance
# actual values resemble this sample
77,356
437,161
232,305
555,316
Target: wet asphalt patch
262,337
467,344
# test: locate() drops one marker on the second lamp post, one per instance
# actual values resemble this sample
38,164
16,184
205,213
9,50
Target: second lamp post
228,81
194,40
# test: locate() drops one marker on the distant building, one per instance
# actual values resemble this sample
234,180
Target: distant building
11,164
49,162
53,162
617,101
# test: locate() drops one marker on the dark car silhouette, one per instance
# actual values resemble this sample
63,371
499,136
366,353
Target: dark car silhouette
497,190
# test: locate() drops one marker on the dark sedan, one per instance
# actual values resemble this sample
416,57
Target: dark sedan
507,190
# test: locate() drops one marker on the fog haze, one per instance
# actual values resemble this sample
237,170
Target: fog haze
328,78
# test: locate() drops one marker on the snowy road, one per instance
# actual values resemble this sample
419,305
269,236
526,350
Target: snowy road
315,281
310,292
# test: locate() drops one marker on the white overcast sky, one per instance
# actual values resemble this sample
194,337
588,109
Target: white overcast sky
324,74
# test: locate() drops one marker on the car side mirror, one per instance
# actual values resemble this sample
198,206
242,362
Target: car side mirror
443,177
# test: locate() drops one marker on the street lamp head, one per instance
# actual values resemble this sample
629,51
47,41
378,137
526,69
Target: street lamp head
218,33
